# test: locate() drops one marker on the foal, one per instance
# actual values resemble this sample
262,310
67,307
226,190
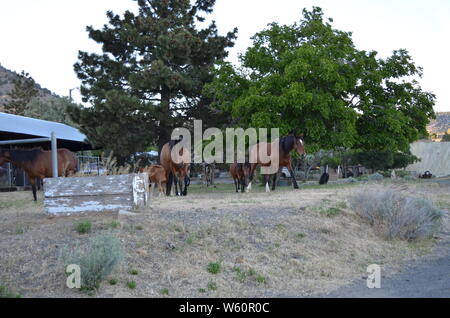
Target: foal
240,173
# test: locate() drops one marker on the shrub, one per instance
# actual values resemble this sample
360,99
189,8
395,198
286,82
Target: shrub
131,285
330,212
212,286
402,173
376,177
395,216
83,227
103,253
164,291
385,173
213,268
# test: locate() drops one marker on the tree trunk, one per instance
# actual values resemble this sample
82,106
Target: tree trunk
164,122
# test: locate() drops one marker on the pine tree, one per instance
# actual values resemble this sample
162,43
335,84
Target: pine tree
23,92
150,76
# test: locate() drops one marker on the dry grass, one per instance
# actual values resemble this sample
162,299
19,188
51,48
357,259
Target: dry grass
283,241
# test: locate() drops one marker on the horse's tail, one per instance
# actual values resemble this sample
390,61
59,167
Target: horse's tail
169,184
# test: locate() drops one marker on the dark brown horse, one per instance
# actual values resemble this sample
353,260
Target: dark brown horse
240,172
177,173
37,163
282,152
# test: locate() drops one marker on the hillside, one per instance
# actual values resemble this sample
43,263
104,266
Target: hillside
6,85
440,125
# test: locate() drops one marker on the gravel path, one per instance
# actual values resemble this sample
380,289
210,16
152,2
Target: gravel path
425,278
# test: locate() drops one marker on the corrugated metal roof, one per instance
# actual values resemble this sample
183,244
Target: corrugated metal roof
36,127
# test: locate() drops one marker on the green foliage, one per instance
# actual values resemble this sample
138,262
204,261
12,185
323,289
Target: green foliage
213,268
131,284
50,108
150,76
212,286
243,275
113,281
383,160
23,91
310,77
97,261
83,227
164,291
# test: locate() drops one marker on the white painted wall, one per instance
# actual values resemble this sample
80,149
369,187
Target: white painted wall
435,158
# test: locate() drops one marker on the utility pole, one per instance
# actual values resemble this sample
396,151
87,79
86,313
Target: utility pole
70,93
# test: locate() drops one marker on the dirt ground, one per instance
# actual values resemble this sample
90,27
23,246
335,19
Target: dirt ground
285,243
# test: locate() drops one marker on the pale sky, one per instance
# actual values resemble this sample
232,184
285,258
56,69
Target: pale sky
43,37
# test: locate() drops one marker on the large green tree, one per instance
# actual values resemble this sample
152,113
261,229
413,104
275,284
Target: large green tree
23,92
309,77
150,76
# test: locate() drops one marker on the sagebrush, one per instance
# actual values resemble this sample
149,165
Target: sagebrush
395,215
97,261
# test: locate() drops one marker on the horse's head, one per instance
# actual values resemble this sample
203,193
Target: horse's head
299,144
291,142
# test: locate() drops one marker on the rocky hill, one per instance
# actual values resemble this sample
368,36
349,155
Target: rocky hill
441,124
6,85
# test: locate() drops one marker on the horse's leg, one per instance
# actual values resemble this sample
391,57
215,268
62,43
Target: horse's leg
180,185
274,179
252,174
33,187
266,181
242,184
236,184
169,184
294,182
175,181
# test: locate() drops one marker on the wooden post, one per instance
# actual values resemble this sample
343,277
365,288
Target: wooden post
54,156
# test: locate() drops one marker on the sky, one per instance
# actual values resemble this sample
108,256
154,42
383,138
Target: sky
43,37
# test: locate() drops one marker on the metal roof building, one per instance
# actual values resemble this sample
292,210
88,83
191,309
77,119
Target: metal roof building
14,127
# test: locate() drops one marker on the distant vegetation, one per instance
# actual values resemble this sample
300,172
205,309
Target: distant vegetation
21,95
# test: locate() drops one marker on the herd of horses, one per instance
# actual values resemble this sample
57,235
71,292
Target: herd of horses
37,163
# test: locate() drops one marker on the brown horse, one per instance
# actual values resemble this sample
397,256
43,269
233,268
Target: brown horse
157,176
240,172
285,146
37,163
176,172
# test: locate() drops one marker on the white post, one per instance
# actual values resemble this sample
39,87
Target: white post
54,156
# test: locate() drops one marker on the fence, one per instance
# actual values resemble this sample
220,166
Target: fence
12,177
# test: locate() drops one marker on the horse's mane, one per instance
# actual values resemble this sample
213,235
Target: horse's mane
24,155
173,143
287,143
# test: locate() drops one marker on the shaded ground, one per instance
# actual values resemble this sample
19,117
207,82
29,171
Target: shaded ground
281,244
425,278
